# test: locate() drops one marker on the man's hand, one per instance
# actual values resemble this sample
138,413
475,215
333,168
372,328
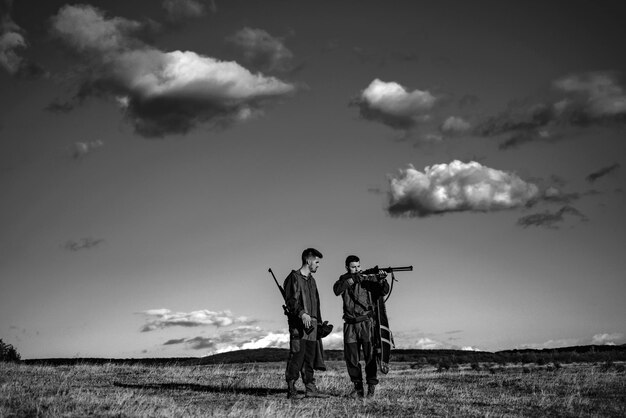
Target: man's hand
350,281
306,320
381,274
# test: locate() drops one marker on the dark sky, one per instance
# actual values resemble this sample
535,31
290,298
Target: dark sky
156,157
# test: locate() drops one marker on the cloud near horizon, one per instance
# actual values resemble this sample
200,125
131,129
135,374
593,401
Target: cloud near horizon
393,105
160,92
598,339
607,339
247,338
262,50
456,187
164,318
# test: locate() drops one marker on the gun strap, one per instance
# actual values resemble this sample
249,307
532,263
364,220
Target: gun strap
393,279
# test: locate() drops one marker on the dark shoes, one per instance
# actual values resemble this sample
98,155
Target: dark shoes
313,392
357,393
292,392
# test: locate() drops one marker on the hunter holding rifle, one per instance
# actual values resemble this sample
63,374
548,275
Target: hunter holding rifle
360,293
305,345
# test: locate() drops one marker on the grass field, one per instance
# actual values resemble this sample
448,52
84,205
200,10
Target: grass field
258,389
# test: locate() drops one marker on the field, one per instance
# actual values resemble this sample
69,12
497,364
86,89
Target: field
258,389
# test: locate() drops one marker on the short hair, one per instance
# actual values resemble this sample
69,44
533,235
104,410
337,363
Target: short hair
310,252
352,258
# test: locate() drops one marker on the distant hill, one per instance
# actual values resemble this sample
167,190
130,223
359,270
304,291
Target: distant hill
587,353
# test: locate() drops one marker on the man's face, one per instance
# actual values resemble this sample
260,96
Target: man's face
314,263
354,267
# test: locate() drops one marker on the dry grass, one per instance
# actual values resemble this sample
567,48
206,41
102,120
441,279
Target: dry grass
257,390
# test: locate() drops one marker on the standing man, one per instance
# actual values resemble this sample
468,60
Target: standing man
360,293
303,303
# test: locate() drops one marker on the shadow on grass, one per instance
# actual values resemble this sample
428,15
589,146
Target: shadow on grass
203,388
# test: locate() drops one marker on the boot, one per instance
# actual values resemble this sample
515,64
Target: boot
358,391
292,392
313,392
370,390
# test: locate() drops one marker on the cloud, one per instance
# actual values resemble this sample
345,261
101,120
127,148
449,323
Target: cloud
263,51
470,348
551,220
163,318
12,43
82,244
80,149
607,339
391,104
269,340
602,172
597,95
200,343
578,101
178,10
245,338
456,186
239,338
160,92
426,343
455,125
173,342
564,342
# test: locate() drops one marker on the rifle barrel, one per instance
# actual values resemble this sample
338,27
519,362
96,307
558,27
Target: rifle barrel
390,269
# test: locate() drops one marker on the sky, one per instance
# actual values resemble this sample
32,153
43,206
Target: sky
158,156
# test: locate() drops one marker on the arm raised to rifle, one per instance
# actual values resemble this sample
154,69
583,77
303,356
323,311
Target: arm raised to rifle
375,270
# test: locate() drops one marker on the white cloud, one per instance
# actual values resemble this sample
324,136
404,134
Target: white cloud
394,99
564,342
426,343
607,339
457,186
162,318
395,106
162,92
334,340
277,340
470,348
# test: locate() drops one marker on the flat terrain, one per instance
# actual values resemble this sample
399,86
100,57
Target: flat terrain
258,389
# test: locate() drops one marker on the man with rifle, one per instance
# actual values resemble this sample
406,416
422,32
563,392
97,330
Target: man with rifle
304,315
361,293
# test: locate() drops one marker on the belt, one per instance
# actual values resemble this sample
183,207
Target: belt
359,318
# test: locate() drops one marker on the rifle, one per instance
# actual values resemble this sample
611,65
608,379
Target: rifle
376,269
282,292
382,333
285,309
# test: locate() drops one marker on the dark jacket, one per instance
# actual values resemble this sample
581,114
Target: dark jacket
360,298
298,303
